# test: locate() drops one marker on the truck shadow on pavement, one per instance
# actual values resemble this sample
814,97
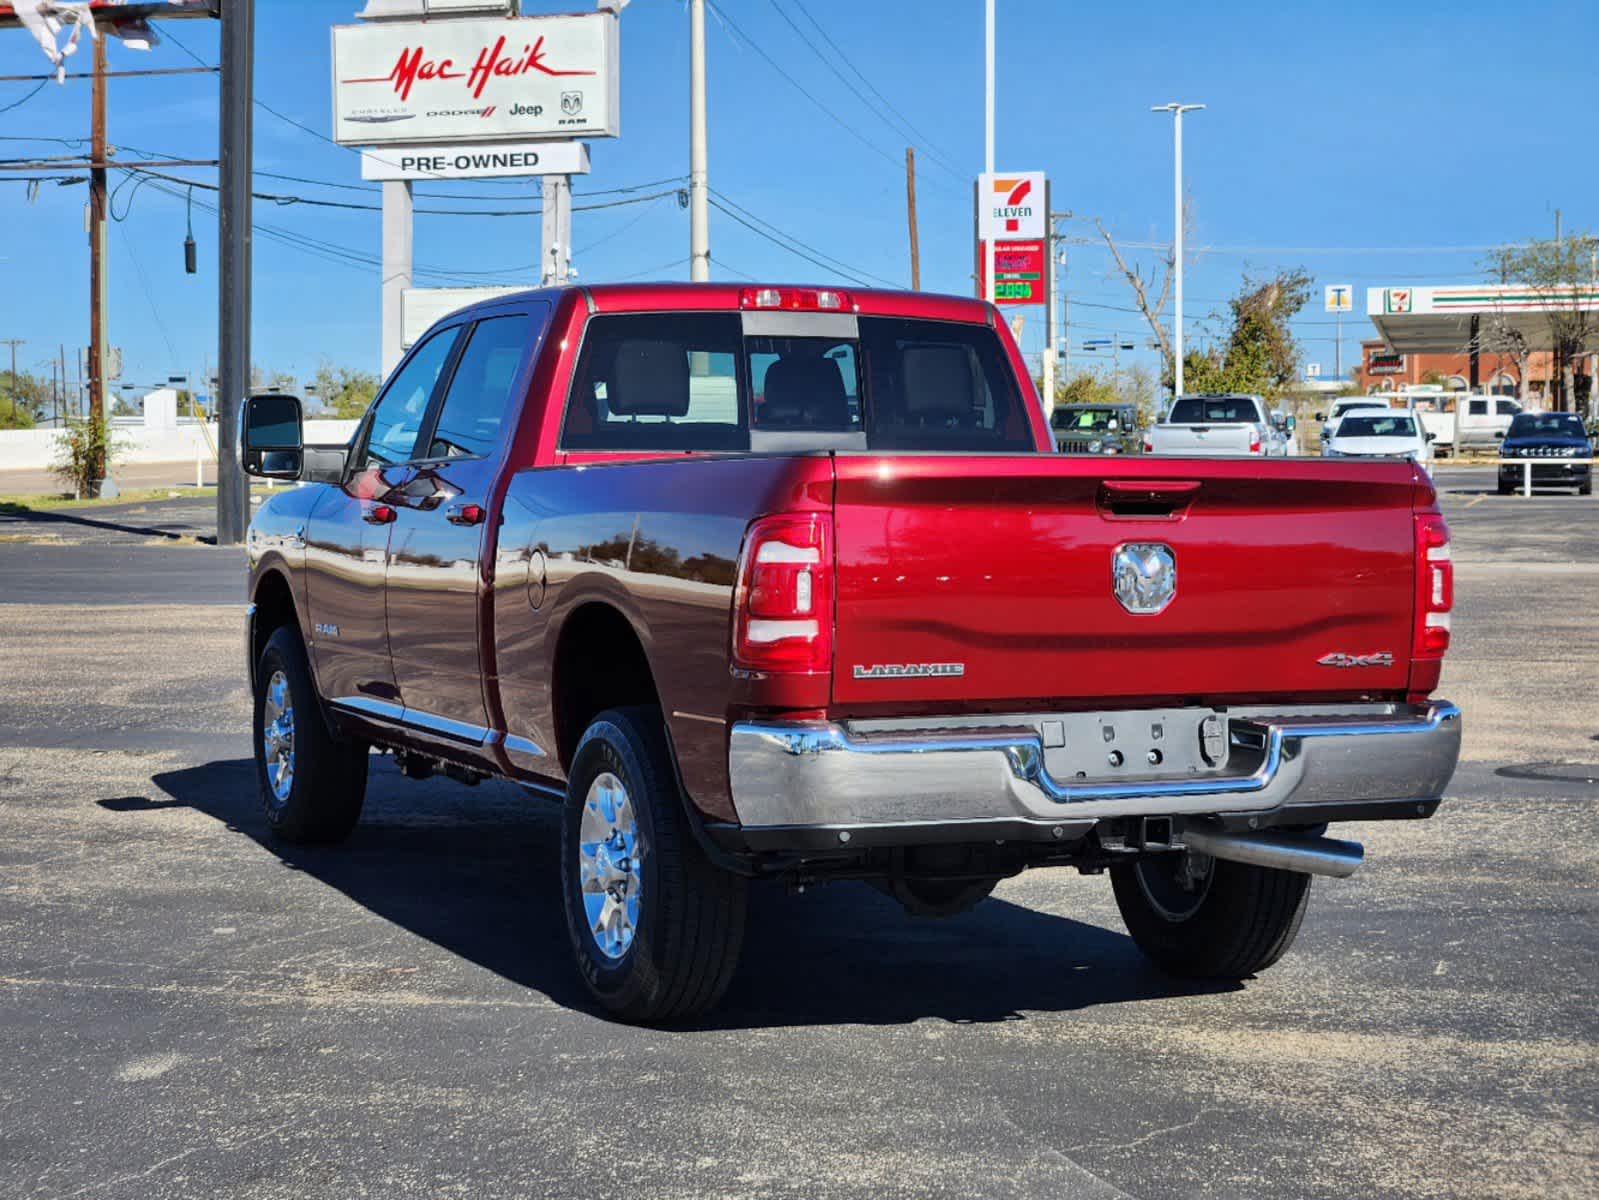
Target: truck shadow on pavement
476,872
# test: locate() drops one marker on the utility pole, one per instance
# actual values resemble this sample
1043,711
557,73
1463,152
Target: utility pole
99,289
699,215
233,300
1177,111
13,343
1049,307
910,215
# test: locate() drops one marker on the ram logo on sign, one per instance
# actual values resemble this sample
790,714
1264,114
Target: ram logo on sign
1011,206
475,79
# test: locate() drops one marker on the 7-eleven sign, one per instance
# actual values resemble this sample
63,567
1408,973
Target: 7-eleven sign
1011,206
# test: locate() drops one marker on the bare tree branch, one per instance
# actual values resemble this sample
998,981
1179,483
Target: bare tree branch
1140,289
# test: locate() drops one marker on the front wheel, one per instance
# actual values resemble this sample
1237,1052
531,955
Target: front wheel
1204,917
312,784
656,926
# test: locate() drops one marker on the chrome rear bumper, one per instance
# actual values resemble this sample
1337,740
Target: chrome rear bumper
811,777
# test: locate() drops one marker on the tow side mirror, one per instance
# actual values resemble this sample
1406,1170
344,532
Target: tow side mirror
1432,437
1321,416
273,442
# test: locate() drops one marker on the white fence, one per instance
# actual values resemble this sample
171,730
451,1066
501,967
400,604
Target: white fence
34,449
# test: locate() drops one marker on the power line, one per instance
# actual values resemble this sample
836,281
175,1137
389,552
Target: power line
25,99
776,234
799,87
288,200
903,127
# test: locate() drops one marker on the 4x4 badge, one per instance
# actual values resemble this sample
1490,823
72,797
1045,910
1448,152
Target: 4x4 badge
1340,659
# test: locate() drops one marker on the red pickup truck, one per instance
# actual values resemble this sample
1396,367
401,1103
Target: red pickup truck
769,582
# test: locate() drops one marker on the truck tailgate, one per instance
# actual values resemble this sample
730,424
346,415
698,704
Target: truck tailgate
1201,441
967,581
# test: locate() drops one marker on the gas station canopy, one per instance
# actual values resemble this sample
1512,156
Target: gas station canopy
1420,320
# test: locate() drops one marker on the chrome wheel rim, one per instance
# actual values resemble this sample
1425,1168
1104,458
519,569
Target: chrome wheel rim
1175,885
277,736
610,857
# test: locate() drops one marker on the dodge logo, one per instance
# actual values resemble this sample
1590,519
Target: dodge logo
1144,576
571,103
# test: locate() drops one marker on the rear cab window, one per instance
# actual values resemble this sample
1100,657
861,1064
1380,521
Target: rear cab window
1200,410
698,381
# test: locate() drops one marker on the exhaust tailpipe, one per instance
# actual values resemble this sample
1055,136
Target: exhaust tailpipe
1284,852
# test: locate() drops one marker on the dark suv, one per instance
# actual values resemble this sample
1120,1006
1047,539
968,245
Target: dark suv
1551,441
1095,429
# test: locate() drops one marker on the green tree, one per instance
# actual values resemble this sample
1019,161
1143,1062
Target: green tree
1560,273
23,400
1260,355
344,392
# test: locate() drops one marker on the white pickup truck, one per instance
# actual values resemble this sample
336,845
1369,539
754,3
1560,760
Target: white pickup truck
1459,420
1218,425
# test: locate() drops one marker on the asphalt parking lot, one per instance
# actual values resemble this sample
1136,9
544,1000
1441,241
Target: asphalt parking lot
189,1009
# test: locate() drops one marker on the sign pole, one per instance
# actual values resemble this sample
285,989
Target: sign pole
699,216
398,242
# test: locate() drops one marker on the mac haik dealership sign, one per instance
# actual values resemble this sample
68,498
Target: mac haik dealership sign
475,79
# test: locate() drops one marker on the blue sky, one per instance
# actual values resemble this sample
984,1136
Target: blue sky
1335,137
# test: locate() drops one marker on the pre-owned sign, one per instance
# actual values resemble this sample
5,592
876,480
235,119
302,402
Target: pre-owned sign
475,162
475,80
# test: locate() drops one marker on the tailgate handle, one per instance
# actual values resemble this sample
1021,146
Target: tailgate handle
1146,497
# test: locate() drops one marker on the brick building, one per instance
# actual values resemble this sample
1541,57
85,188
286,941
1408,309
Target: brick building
1383,370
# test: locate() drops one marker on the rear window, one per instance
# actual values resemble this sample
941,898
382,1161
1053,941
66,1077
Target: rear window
1197,410
1360,424
693,381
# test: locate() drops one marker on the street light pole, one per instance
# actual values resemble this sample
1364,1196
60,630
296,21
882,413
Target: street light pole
1177,111
991,252
699,217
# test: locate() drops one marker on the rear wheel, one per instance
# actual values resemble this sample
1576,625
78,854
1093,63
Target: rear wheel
1585,489
1504,488
1203,917
312,784
655,926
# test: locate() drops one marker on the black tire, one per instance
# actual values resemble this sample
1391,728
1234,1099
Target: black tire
683,946
1238,922
1585,489
327,781
1504,488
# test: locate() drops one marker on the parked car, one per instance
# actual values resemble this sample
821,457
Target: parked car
902,642
1329,420
1544,438
1211,426
1095,428
1390,434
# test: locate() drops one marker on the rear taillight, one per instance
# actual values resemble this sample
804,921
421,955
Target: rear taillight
1149,446
783,604
1254,441
1435,586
